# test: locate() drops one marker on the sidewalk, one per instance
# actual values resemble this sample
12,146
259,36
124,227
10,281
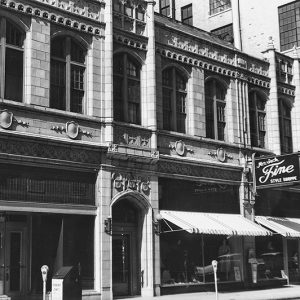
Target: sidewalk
286,292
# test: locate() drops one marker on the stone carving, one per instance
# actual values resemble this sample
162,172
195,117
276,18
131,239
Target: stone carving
180,148
123,182
72,130
220,154
132,137
7,119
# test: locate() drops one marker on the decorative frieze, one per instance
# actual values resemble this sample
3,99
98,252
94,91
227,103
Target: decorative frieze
198,171
290,91
123,182
130,42
84,17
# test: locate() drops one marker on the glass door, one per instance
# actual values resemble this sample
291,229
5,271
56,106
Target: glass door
293,260
121,272
13,259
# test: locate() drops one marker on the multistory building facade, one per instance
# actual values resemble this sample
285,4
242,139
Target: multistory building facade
123,132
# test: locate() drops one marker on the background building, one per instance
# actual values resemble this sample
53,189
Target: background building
111,113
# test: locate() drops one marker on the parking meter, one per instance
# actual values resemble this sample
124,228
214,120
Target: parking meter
44,270
215,266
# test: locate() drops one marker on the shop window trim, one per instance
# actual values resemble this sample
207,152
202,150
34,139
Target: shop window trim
68,64
5,48
176,111
215,109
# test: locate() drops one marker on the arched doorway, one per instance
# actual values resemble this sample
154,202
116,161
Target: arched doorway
127,223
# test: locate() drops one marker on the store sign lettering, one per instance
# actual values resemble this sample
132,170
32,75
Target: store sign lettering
277,170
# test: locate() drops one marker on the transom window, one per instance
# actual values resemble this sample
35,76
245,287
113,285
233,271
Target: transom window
215,110
289,25
174,100
216,6
187,14
285,123
165,8
257,120
11,61
67,79
127,90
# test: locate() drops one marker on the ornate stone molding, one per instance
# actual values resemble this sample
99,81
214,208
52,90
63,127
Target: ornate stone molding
213,67
72,130
180,148
131,42
123,182
220,154
290,91
67,15
7,119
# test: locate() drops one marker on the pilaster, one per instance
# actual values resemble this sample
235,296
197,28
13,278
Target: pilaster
296,109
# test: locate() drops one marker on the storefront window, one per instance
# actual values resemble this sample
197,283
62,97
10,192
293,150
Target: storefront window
62,240
269,255
187,258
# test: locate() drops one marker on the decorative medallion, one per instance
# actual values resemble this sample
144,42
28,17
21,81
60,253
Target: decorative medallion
6,119
72,129
180,148
220,154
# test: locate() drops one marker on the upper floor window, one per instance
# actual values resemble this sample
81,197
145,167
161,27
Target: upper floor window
215,110
224,33
257,120
11,61
165,8
289,25
216,6
67,75
174,100
127,90
285,124
187,14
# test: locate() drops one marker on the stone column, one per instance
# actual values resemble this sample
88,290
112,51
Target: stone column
150,113
272,113
296,108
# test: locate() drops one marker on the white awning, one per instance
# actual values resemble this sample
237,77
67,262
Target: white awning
212,223
288,227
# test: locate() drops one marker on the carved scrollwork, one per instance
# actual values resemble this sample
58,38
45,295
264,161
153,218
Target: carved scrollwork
220,154
7,119
180,148
123,182
72,130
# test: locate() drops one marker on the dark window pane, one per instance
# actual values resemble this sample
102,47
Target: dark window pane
77,53
13,35
58,46
77,89
58,85
13,75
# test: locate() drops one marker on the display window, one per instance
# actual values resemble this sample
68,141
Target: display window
187,258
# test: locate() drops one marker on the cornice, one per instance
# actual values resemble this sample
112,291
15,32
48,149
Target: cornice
286,89
131,40
87,20
217,66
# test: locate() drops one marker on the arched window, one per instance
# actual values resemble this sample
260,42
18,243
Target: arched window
67,84
174,100
285,124
127,89
257,119
11,61
215,110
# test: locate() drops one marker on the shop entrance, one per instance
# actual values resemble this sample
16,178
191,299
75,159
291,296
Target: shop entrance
125,254
13,258
293,261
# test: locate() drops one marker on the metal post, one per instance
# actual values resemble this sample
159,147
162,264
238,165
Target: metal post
214,264
44,270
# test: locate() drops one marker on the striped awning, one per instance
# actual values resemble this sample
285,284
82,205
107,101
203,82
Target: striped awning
288,227
212,223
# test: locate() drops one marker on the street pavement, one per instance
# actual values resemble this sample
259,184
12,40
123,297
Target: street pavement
285,292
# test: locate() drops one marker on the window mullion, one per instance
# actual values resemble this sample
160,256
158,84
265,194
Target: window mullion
256,120
125,89
174,101
68,74
2,56
215,110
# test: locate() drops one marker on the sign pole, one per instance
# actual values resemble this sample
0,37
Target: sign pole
214,264
44,270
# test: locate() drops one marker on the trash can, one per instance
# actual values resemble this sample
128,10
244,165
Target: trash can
66,284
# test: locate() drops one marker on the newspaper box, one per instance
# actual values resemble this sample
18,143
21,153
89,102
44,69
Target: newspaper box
66,284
